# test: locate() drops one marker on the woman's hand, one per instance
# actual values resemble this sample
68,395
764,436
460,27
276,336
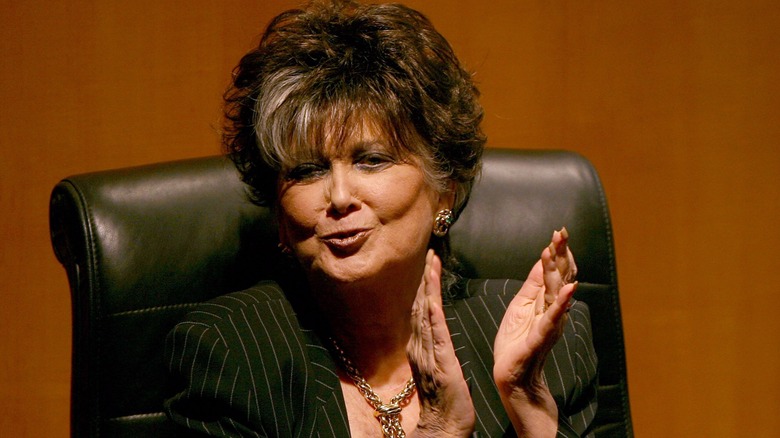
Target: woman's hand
446,409
532,324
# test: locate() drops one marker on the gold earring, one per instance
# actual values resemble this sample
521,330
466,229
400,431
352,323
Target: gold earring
442,222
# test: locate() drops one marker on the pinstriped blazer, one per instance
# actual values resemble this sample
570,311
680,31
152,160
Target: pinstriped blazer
248,365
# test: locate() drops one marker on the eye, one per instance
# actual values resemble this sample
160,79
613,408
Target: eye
374,161
306,172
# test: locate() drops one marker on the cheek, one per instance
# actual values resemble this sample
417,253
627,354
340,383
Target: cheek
412,201
297,213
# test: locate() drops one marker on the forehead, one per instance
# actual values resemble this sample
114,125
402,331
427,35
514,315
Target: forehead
337,136
360,135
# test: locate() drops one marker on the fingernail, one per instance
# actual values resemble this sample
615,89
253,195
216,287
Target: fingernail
564,233
553,252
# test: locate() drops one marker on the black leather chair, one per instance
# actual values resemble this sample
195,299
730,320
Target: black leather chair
142,245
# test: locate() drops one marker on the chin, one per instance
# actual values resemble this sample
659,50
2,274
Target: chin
347,270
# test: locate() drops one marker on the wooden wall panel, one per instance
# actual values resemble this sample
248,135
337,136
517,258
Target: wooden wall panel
676,103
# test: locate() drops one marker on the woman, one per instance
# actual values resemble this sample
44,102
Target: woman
358,125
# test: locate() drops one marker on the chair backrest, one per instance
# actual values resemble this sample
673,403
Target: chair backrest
142,246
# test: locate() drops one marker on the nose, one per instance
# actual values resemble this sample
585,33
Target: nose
340,190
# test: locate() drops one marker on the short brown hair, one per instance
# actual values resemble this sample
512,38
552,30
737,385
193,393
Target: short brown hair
321,67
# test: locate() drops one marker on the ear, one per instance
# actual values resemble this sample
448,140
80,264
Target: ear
447,198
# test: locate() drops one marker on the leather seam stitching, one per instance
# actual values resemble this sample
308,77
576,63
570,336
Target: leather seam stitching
153,309
615,308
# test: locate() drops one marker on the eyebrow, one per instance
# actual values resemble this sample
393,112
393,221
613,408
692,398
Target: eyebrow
369,145
359,147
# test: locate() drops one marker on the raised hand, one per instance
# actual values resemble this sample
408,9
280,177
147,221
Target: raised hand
446,409
532,324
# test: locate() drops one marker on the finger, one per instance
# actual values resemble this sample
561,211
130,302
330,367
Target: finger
551,275
562,304
415,349
550,324
439,332
433,277
560,241
426,335
442,350
419,303
564,258
536,276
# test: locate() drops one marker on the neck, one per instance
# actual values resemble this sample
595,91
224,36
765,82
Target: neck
371,323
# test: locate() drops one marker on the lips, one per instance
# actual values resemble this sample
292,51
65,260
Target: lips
346,241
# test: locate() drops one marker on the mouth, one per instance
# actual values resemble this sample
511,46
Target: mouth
346,241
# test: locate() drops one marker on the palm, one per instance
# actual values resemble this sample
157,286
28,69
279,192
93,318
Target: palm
534,319
446,408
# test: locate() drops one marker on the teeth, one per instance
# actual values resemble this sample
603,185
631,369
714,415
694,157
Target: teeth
344,236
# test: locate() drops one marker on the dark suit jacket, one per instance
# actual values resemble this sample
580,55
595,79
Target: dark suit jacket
249,365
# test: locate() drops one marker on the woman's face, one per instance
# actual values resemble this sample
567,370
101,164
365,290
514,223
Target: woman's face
358,212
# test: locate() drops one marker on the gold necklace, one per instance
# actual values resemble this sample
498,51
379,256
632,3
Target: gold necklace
389,415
